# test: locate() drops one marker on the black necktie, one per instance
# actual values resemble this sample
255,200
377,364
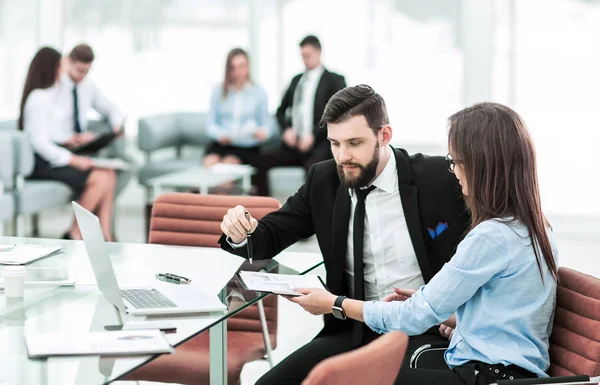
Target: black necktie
77,126
358,236
358,241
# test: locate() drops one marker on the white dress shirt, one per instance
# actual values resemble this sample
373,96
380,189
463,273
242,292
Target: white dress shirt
43,123
304,102
389,256
88,97
48,116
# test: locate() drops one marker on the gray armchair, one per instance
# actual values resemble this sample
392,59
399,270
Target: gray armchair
7,199
30,197
33,196
170,131
187,129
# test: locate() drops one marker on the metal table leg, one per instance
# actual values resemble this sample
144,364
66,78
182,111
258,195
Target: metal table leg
218,349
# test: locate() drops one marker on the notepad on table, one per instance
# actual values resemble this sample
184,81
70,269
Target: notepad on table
113,343
113,164
24,254
284,284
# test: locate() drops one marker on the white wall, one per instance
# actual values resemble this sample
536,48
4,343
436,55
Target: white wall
421,55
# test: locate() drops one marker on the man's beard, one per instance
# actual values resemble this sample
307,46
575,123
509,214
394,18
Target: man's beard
365,175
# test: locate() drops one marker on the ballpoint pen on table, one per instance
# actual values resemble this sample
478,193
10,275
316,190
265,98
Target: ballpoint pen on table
249,238
174,277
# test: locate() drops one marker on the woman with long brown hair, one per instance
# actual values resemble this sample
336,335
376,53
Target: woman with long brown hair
238,120
40,118
501,283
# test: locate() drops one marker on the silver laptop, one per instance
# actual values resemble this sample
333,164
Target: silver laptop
171,299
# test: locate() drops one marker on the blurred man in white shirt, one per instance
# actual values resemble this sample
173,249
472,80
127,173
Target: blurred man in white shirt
78,94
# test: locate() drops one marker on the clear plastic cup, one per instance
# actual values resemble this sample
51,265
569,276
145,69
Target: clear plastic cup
14,281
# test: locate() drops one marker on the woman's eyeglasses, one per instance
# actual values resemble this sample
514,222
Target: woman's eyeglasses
451,163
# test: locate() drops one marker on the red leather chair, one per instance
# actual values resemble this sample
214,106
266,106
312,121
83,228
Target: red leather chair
575,339
194,220
377,363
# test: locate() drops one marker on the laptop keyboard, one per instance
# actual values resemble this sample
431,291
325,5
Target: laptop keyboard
147,298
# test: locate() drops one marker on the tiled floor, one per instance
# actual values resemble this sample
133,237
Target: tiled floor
578,241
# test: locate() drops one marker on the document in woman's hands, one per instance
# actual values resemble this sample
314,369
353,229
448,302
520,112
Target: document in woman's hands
284,284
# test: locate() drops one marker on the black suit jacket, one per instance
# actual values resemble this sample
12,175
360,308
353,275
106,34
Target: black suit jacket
429,194
329,84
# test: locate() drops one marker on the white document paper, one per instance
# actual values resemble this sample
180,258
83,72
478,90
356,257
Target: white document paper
23,254
113,164
114,343
284,284
224,168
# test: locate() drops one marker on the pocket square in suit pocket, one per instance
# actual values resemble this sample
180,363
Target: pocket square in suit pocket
439,229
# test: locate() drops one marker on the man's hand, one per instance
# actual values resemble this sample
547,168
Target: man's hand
446,331
315,301
235,224
225,141
399,295
289,137
119,130
306,143
82,163
78,139
261,134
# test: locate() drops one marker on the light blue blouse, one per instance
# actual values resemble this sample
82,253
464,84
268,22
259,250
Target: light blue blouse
504,311
239,115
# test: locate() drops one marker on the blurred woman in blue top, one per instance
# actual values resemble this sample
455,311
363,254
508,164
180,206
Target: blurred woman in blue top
238,120
501,283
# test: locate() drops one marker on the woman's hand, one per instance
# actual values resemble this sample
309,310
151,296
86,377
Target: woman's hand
261,134
315,301
82,163
224,141
399,295
289,137
446,331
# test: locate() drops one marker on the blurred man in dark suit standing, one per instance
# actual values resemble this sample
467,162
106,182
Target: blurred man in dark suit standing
298,116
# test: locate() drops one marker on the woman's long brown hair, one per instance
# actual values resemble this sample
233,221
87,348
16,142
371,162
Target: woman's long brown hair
43,72
227,82
491,144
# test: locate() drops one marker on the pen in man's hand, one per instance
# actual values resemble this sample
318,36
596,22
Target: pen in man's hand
248,238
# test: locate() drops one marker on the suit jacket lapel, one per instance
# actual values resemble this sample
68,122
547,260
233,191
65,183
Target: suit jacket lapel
409,196
341,219
319,92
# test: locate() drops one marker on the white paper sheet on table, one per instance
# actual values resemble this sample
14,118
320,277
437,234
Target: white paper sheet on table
113,164
112,343
222,168
23,254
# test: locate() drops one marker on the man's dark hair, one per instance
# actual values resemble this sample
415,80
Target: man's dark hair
82,53
312,41
356,101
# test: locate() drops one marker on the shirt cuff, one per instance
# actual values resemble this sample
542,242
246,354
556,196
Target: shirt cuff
236,245
373,316
62,158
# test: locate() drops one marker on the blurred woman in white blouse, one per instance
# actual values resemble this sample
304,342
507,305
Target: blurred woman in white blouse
40,118
238,120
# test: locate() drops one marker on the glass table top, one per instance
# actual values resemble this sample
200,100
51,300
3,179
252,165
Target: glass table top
81,307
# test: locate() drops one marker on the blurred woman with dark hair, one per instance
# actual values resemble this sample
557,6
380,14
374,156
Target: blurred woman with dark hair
40,118
238,120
